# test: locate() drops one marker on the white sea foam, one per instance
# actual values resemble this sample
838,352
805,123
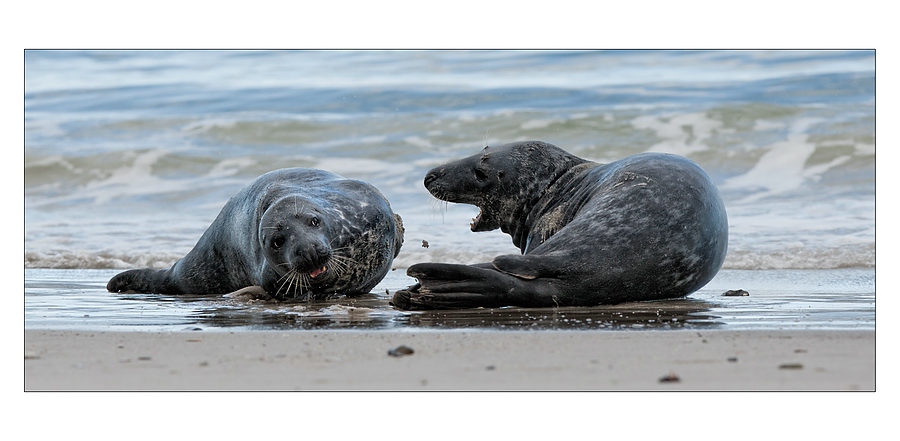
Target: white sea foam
132,173
783,167
539,123
231,167
417,141
680,134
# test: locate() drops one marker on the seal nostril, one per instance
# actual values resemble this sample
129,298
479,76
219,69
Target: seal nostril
429,178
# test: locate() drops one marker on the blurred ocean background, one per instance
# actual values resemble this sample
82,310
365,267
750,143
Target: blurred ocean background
130,155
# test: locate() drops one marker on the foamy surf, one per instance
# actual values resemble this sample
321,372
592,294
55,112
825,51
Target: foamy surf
129,158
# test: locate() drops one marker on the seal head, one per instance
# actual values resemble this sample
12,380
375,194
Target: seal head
504,182
293,235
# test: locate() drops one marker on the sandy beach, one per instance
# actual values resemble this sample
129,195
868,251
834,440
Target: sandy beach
709,360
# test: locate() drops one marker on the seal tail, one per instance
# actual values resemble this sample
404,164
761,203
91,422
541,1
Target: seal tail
142,281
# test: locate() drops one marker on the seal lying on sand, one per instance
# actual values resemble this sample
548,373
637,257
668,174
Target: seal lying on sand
650,226
293,232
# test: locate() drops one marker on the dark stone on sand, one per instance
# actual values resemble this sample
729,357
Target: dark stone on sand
671,378
736,293
400,351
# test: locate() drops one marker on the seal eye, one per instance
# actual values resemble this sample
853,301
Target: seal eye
277,242
480,175
314,221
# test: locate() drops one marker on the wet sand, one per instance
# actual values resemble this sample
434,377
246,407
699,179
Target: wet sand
714,360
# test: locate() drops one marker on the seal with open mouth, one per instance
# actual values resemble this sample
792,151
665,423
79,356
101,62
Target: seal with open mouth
293,232
646,227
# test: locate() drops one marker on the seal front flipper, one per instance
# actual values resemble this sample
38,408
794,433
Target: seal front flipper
448,271
250,292
452,286
529,267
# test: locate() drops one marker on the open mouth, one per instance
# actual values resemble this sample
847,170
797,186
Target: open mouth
476,221
317,272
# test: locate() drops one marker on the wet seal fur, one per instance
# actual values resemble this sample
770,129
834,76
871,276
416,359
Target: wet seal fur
292,232
647,227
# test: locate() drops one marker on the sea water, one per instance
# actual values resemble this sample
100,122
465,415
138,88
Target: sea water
130,155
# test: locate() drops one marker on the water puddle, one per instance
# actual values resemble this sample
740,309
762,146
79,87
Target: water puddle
783,299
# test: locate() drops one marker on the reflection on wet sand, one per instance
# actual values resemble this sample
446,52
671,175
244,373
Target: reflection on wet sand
374,312
834,299
650,315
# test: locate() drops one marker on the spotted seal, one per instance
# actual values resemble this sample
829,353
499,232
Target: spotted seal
650,226
293,232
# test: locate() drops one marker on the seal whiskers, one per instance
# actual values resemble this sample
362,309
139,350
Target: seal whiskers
440,206
341,264
295,281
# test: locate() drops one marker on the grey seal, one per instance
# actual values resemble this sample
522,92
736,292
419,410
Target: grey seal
647,227
293,232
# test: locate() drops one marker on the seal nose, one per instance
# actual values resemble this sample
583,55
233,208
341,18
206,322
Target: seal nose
306,253
430,177
311,255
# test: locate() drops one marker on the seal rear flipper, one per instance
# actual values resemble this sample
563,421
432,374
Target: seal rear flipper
401,298
452,286
142,281
413,300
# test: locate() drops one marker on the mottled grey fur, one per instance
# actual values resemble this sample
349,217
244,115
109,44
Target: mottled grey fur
278,233
647,227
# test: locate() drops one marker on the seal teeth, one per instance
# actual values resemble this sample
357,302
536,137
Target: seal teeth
476,220
316,272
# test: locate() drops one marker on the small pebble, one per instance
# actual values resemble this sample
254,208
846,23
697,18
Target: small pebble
671,378
736,293
400,351
791,366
